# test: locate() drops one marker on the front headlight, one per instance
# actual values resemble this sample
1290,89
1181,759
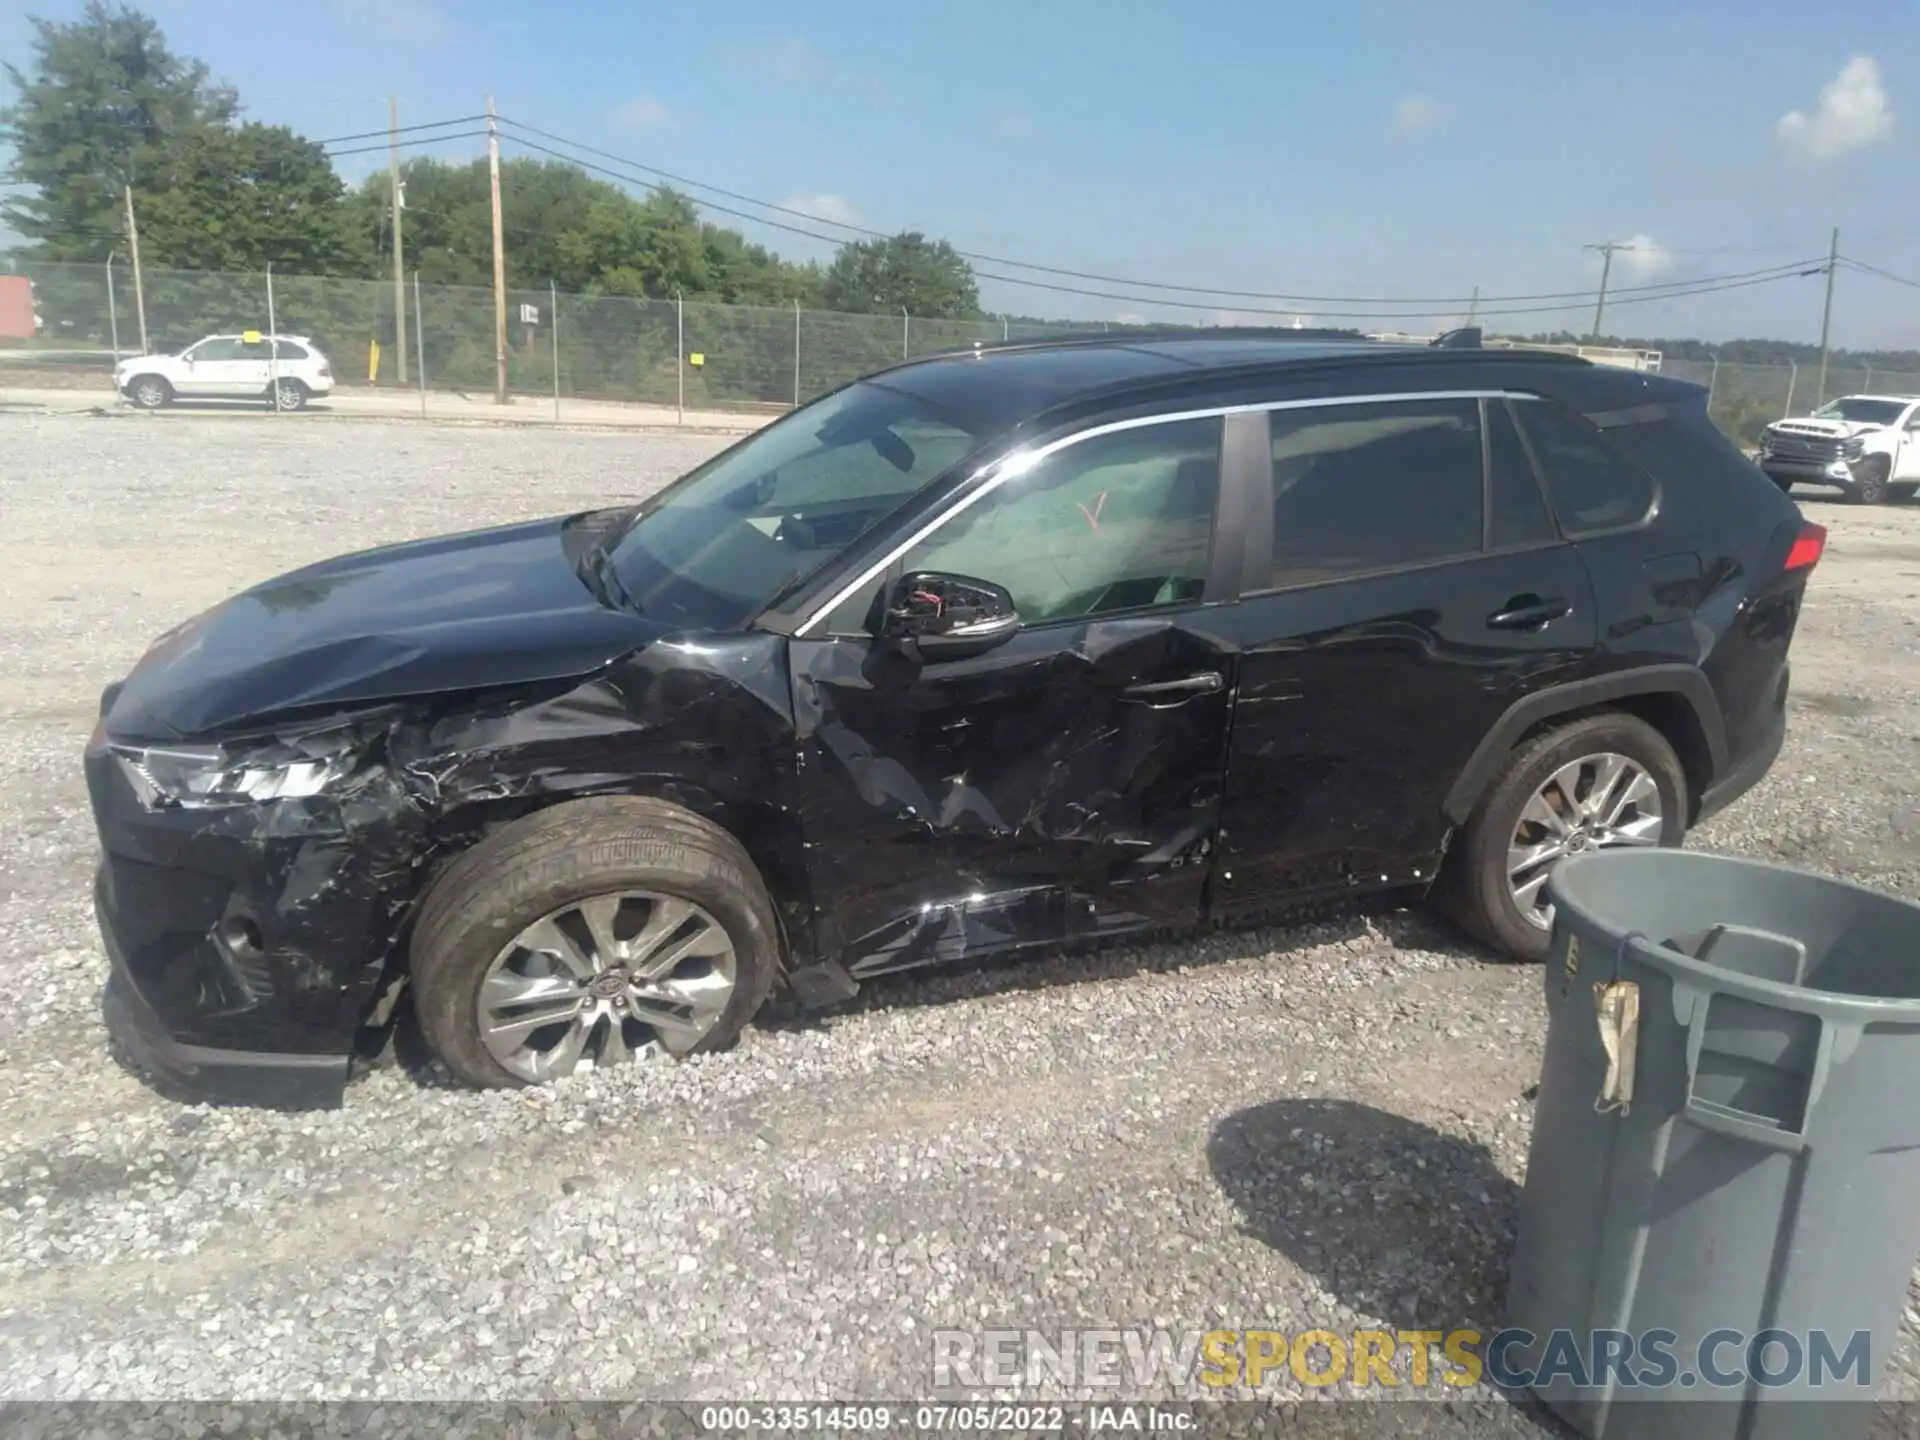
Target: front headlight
1854,448
211,777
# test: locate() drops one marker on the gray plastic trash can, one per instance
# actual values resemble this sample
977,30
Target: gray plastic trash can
1757,1170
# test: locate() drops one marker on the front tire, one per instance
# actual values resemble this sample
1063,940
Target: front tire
150,392
599,929
1607,780
1870,485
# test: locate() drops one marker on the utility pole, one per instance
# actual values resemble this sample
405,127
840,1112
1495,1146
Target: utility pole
1473,307
139,289
399,204
499,262
273,344
1606,249
113,310
1826,318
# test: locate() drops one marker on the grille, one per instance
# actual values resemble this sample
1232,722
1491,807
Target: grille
1805,447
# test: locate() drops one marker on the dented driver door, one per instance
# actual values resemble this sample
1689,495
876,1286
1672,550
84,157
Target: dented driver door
1066,783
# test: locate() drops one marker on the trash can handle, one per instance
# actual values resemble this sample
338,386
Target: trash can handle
1692,1005
1741,1124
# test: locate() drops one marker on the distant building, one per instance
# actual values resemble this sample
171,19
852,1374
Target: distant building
18,319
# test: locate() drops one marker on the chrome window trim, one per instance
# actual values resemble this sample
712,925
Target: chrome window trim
1009,467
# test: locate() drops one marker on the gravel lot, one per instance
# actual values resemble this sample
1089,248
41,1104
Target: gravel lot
1317,1126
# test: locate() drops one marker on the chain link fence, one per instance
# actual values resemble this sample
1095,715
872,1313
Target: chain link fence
689,354
692,355
1744,399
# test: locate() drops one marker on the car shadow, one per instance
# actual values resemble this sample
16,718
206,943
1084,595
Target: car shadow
1390,1216
233,407
1804,495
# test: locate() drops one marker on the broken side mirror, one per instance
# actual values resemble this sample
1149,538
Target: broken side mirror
935,616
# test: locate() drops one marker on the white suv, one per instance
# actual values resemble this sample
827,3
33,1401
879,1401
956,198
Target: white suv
1867,445
229,367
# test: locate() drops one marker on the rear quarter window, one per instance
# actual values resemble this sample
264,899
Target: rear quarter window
1595,488
1703,476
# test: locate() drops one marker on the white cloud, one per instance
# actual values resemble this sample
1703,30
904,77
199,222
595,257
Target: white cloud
794,62
643,113
1129,318
1853,111
1013,127
834,209
1417,116
1644,260
413,22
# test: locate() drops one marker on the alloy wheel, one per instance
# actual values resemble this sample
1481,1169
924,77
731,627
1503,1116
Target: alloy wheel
605,979
1593,803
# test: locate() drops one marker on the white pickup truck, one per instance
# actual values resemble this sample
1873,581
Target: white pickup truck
1866,445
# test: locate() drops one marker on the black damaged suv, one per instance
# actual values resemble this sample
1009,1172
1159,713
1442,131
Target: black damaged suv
983,653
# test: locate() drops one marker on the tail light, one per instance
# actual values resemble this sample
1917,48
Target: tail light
326,372
1808,546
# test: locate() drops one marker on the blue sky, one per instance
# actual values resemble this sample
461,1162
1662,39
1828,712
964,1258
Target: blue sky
1366,148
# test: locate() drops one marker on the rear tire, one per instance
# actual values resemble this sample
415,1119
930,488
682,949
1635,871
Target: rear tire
1870,485
1476,886
293,394
149,392
480,909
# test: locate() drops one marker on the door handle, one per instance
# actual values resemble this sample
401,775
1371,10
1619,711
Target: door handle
1204,683
1528,612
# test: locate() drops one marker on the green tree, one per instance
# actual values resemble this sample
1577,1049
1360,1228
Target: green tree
234,199
586,235
903,272
103,105
637,248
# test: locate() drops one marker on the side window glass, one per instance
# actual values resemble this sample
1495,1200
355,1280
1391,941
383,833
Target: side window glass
1366,487
1117,522
243,351
213,350
287,350
1593,488
1516,511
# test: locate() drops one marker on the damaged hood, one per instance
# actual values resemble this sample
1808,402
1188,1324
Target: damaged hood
492,607
1825,429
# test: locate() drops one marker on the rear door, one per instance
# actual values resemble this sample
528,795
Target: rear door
250,372
1414,587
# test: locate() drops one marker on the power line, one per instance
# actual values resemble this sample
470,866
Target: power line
650,185
1387,314
1701,287
404,144
403,130
1867,269
1198,290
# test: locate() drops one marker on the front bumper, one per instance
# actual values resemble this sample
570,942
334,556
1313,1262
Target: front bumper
1810,472
203,1072
247,944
